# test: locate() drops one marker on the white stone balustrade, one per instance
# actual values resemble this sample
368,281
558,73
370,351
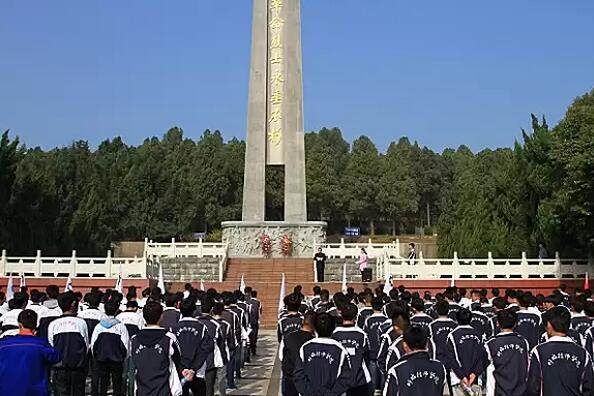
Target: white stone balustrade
488,268
108,266
353,250
185,249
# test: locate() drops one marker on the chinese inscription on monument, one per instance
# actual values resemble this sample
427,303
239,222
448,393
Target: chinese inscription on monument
274,146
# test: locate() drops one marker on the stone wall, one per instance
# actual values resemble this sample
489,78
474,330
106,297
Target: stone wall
335,267
190,269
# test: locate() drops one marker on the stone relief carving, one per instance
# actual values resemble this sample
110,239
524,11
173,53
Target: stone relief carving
244,241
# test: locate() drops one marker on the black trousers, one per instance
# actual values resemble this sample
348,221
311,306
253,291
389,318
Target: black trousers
209,382
320,271
70,382
254,338
197,386
364,390
106,372
288,388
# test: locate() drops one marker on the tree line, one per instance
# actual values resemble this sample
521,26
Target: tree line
505,200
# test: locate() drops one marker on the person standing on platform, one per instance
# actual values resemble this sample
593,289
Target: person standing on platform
412,254
320,264
362,263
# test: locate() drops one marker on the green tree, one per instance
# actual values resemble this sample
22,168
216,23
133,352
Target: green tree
361,182
397,195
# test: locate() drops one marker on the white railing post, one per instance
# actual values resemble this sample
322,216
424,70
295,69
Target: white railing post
146,249
200,248
421,260
38,263
73,263
524,260
490,259
173,247
342,249
108,263
557,259
397,247
3,263
455,266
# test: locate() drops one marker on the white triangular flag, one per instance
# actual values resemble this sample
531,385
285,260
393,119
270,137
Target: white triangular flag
242,284
202,285
22,281
281,294
344,279
119,286
388,285
68,287
9,287
161,281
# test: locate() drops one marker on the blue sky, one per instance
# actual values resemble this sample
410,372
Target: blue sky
443,73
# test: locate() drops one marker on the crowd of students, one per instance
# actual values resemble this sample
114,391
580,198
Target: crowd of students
160,345
401,343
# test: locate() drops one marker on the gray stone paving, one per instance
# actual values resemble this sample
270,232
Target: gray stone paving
256,376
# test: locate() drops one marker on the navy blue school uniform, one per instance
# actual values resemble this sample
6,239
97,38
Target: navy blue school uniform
581,323
92,317
453,311
195,343
156,356
571,333
466,353
109,342
235,328
415,374
387,339
255,311
364,313
354,340
495,328
171,316
396,352
589,341
315,300
439,330
421,319
560,367
322,368
219,356
289,324
69,335
241,322
508,355
288,352
370,328
529,325
429,308
480,322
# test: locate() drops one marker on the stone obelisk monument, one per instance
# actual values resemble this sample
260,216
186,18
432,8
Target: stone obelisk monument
275,134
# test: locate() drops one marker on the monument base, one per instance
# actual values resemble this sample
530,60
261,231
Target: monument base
243,237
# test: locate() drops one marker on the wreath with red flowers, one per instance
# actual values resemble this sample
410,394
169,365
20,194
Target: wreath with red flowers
266,245
286,245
